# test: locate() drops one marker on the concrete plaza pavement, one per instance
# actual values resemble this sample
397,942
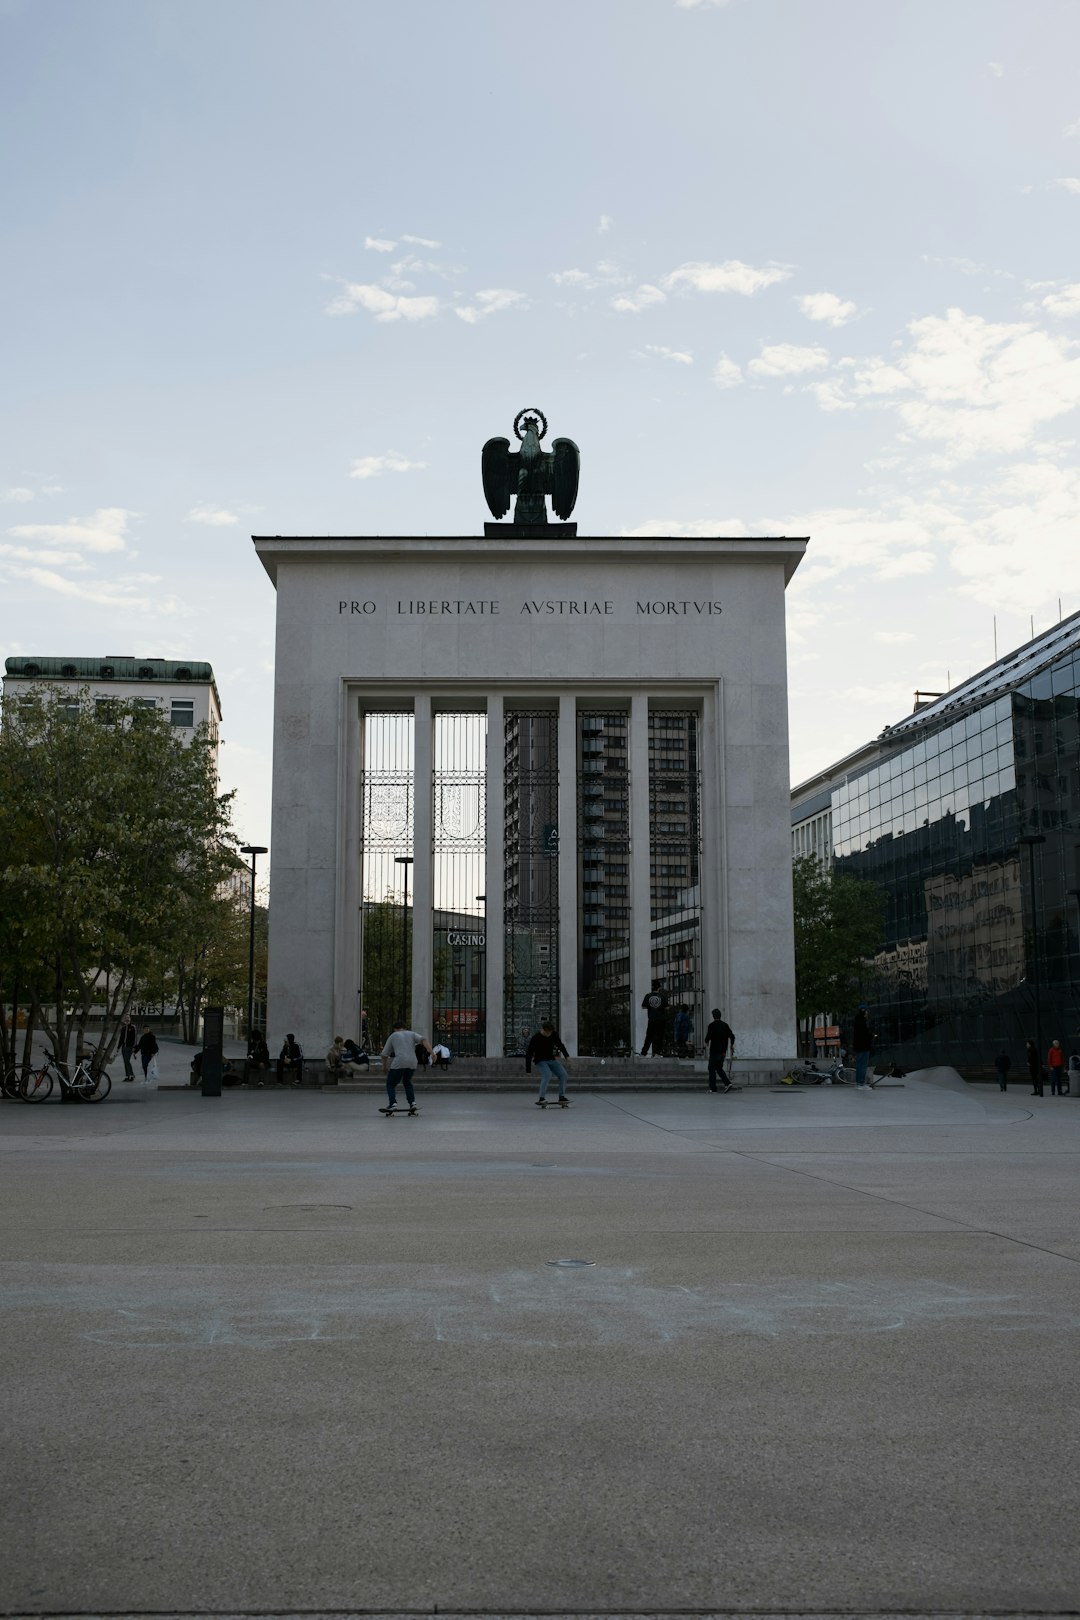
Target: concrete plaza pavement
274,1354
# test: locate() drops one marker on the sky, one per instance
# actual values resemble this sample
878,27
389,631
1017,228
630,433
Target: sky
777,266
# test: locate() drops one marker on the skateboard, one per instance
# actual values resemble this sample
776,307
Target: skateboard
558,1102
390,1112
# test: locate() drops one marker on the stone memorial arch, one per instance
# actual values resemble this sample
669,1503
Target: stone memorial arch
531,773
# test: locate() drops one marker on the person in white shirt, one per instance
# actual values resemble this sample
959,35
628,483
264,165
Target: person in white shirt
440,1056
401,1050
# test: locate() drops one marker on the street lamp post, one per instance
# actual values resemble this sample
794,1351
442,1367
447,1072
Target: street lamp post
254,850
1031,839
404,861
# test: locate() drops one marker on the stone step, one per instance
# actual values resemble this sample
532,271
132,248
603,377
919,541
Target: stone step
616,1078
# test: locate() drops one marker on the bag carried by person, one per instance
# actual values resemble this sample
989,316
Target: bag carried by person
152,1069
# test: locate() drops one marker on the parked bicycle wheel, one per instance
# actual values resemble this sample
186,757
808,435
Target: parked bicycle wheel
95,1090
37,1086
11,1084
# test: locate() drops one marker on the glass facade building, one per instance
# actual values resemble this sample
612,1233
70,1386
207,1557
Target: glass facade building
967,814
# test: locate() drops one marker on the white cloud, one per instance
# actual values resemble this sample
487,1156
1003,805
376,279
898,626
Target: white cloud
662,353
130,593
827,307
995,70
373,466
379,244
693,5
1072,129
1010,542
18,493
894,638
106,530
634,303
605,275
383,304
42,557
972,386
413,265
217,517
421,241
968,267
606,222
700,529
1066,301
489,302
726,373
731,276
830,395
788,360
1069,183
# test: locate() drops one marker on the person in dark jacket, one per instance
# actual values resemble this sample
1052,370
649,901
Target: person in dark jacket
861,1041
541,1050
147,1048
681,1030
655,1005
291,1059
126,1038
1035,1068
718,1037
1003,1063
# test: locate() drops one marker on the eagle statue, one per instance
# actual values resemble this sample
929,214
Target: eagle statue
530,474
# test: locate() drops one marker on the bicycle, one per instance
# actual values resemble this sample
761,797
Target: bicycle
808,1074
38,1084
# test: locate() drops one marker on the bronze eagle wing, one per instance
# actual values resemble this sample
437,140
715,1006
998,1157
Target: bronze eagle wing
500,477
564,474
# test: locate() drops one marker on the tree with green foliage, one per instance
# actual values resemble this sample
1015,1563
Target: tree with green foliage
838,921
387,942
113,843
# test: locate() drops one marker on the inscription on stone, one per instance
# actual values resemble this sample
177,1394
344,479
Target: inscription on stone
548,607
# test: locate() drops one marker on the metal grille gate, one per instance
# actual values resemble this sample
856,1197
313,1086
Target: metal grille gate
459,853
675,867
603,803
386,839
530,873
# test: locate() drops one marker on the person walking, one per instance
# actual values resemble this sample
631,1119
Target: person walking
1055,1062
1034,1069
541,1050
401,1048
127,1036
718,1037
1003,1063
148,1049
655,1004
861,1041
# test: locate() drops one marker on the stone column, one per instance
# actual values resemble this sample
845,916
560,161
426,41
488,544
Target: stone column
568,910
494,859
716,977
421,870
641,975
349,889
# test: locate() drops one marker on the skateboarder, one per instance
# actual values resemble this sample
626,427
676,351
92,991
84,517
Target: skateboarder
401,1048
718,1037
541,1050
